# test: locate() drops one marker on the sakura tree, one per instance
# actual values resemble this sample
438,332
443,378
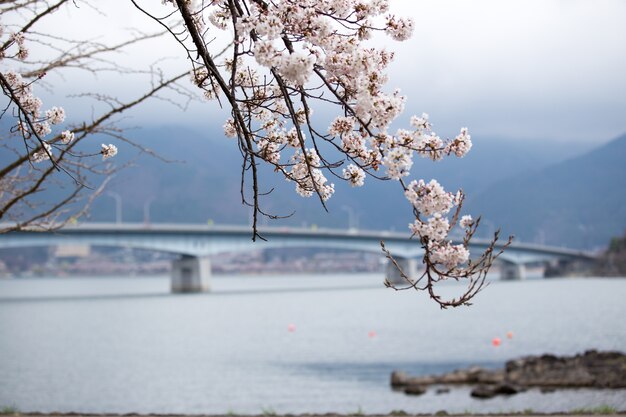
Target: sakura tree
288,57
40,149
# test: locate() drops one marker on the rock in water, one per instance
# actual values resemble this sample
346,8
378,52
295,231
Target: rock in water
398,379
414,389
506,389
490,391
483,391
592,369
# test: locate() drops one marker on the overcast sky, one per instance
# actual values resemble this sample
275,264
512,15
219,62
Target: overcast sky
553,69
529,68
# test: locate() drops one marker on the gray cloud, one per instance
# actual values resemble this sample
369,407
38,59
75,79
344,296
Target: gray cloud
530,68
515,68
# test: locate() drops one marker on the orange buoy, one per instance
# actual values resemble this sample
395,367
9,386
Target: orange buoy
496,341
509,335
291,328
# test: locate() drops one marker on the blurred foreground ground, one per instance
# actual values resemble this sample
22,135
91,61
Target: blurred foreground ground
587,413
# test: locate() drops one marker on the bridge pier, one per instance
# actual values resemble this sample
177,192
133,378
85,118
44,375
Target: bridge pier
408,266
510,271
191,274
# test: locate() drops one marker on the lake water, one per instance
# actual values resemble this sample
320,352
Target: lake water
127,345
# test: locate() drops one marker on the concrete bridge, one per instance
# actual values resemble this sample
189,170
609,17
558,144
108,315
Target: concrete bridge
195,243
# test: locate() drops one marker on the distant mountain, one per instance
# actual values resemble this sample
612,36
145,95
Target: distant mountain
580,202
198,181
540,191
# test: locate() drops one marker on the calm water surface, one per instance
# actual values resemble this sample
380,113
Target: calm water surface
127,345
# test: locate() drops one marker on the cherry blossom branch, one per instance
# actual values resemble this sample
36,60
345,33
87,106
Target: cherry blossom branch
22,178
286,58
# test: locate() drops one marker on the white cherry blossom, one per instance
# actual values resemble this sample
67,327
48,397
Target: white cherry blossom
354,175
429,198
466,221
108,151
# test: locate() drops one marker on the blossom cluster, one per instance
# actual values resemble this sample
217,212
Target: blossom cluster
108,151
448,254
354,175
430,199
283,48
34,124
308,177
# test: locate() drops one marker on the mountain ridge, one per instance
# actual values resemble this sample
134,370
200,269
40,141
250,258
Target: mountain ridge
580,201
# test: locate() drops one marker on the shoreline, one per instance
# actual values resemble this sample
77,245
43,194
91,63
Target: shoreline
587,412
